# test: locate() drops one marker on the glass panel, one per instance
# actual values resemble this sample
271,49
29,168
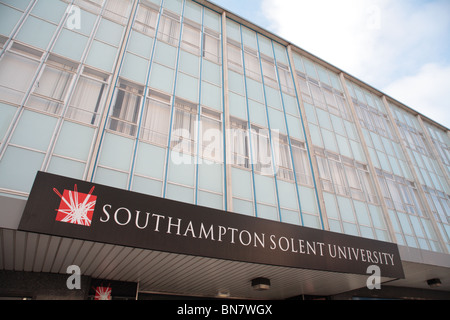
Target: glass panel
111,178
147,186
70,44
16,74
18,168
74,141
242,183
210,200
109,156
150,160
65,167
126,108
87,101
36,32
34,130
102,56
179,193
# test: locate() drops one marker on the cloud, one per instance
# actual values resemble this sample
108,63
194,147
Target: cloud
424,91
381,42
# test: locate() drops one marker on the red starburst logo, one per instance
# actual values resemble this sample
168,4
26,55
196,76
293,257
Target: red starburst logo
102,293
76,207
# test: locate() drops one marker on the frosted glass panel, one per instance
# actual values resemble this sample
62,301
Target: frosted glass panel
210,200
362,213
102,56
147,186
330,205
308,200
140,44
65,167
181,171
189,63
265,189
162,78
238,107
295,127
210,177
36,32
70,44
166,54
254,90
273,98
242,183
236,82
18,168
116,152
51,10
179,193
34,130
135,68
287,194
212,72
211,96
257,113
243,207
311,221
150,160
345,208
8,19
6,114
267,212
292,217
276,119
187,87
111,178
74,141
109,32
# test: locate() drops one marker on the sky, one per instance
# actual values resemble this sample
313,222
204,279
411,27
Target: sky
400,47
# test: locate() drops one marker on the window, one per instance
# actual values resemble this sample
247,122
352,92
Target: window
211,138
286,82
301,163
240,143
184,127
268,68
211,45
88,98
191,38
261,150
17,70
118,10
252,67
156,119
234,56
125,112
169,28
283,159
146,20
50,90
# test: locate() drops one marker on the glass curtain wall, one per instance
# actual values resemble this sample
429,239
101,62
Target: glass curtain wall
271,174
168,106
56,66
351,201
432,179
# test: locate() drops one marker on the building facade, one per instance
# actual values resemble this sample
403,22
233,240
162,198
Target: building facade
183,100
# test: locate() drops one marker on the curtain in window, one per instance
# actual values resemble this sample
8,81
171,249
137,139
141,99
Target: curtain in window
169,30
87,101
184,132
155,122
301,164
240,147
125,112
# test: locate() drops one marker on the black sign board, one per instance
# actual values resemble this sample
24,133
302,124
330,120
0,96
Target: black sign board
83,210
